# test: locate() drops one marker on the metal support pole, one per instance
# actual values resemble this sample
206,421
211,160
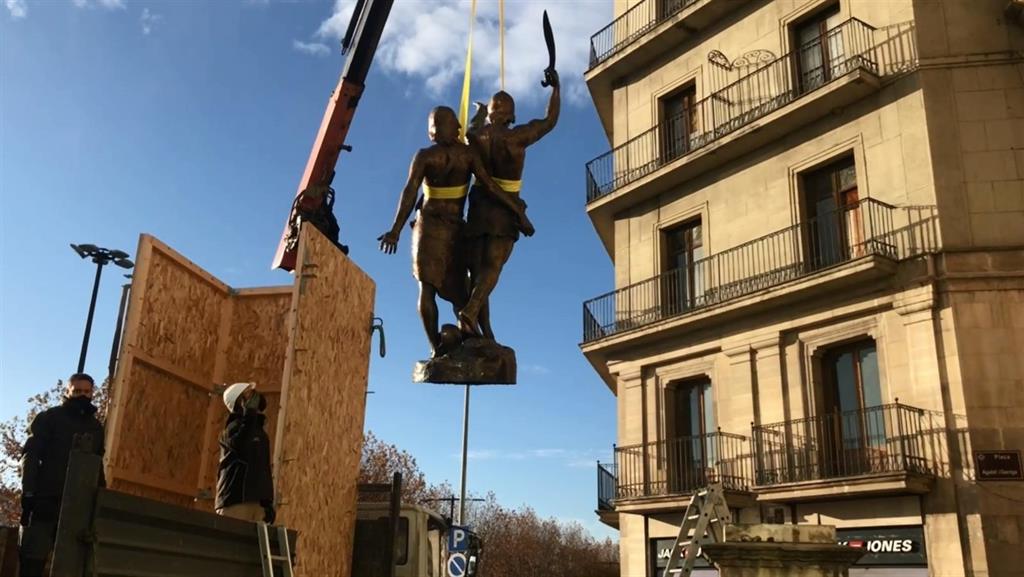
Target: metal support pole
465,453
116,345
88,320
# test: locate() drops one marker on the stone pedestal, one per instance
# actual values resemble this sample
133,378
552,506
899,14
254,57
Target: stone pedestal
781,551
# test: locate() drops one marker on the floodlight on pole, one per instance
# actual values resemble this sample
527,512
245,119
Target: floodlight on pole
100,256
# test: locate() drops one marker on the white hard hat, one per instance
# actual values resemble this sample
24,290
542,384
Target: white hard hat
232,393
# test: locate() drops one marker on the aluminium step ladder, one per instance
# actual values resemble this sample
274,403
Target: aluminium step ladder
267,558
703,522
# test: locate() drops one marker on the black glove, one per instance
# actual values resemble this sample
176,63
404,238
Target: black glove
28,504
269,514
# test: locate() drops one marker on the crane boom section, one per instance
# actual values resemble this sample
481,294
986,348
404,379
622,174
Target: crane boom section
363,35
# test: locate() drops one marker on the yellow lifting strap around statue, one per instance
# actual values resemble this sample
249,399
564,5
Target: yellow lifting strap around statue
445,192
468,74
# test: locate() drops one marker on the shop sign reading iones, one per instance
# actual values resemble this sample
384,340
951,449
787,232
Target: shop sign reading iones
890,546
894,546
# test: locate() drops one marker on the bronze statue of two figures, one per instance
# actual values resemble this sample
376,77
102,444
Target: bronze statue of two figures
458,254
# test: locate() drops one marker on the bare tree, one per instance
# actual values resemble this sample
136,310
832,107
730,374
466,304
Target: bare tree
380,460
517,542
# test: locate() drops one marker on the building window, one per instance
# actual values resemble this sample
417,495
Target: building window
691,449
833,227
820,49
682,269
854,427
679,122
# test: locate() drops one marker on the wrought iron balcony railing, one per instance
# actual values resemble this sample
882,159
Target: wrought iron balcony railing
847,47
606,486
868,227
679,466
631,25
876,440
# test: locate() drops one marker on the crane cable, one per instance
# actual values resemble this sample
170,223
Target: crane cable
468,74
501,40
464,102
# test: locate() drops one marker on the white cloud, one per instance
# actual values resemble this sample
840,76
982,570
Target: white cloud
484,455
574,458
17,8
544,453
311,48
149,20
537,369
108,4
426,42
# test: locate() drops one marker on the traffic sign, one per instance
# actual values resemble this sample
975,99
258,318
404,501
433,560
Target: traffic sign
458,539
457,565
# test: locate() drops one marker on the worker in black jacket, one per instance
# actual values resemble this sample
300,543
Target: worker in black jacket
44,466
245,488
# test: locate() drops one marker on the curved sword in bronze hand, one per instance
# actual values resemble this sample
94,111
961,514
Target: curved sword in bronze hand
549,39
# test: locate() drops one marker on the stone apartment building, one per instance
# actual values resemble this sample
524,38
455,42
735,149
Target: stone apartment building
815,214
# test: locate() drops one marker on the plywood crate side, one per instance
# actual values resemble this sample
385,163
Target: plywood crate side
187,264
133,320
160,437
165,382
181,316
324,401
258,340
150,492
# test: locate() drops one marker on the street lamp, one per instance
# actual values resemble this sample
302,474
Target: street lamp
100,256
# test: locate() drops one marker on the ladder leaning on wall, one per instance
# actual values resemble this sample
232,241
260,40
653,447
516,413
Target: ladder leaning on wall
703,522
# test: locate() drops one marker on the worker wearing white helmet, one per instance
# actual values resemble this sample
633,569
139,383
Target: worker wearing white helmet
245,487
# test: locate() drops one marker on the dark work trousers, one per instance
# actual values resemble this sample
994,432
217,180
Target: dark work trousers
38,537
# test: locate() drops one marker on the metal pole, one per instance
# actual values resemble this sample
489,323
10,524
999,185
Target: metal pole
465,452
88,320
112,365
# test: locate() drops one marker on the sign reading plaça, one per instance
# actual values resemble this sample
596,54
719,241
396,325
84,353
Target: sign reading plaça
998,466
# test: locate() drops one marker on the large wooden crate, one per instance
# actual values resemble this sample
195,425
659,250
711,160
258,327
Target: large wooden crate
307,348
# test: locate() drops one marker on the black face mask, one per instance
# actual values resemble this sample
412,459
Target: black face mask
79,404
257,401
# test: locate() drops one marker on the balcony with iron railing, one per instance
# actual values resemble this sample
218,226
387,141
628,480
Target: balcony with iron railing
882,448
675,467
866,232
645,31
841,66
641,19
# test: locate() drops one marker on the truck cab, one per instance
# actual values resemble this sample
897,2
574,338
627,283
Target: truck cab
420,543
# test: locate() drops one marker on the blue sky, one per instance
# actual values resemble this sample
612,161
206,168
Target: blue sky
193,120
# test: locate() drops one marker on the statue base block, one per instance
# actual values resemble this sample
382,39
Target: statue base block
475,361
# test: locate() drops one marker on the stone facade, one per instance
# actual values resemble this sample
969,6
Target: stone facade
924,99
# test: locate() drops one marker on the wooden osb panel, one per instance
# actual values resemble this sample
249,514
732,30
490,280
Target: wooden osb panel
186,333
323,398
258,338
160,437
145,488
181,313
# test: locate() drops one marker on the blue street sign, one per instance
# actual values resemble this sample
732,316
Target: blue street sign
458,539
457,565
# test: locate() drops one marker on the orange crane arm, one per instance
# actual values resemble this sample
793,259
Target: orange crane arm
364,32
